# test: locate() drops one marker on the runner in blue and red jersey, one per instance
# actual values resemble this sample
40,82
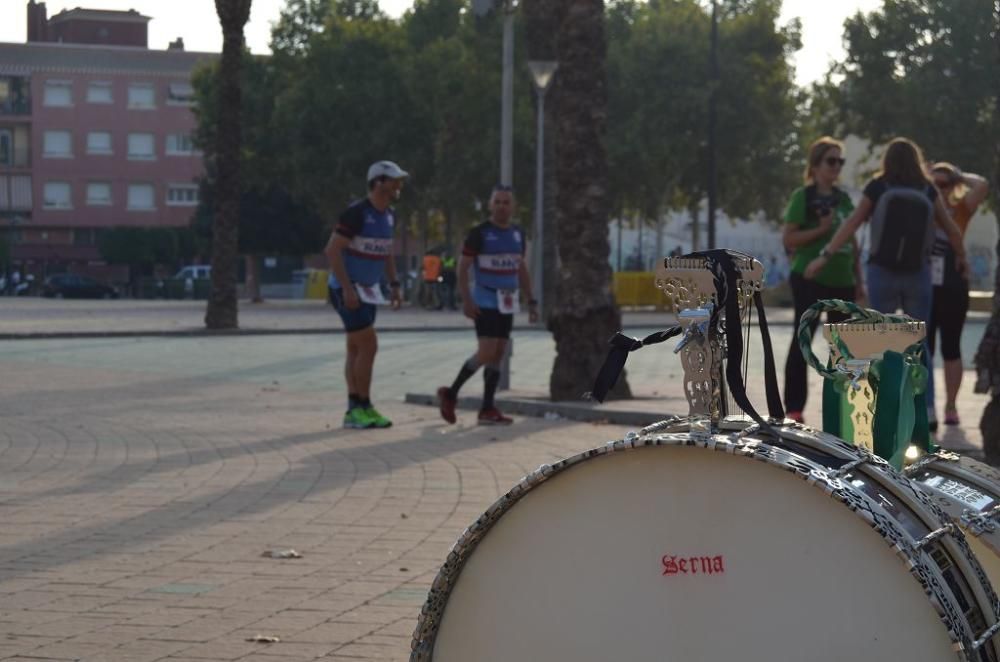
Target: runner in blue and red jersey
360,255
494,252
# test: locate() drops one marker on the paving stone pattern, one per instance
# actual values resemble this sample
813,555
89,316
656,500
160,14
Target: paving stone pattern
136,506
143,479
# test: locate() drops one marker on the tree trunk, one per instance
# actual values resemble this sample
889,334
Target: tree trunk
988,354
252,263
221,312
584,315
550,251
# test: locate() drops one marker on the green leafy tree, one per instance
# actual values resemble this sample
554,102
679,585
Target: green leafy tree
659,92
925,69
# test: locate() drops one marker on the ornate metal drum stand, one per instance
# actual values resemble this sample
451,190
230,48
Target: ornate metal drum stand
873,375
690,284
867,342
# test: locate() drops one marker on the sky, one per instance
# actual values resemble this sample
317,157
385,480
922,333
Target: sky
197,23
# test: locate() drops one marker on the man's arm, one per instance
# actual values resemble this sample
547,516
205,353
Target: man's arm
334,252
468,303
395,294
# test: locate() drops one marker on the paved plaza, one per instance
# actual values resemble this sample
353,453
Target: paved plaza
143,480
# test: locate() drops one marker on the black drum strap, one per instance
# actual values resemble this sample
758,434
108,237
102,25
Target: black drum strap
621,347
722,263
726,277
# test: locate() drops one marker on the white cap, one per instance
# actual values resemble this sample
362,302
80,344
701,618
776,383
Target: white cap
386,169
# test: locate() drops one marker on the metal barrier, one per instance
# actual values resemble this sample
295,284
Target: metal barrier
638,288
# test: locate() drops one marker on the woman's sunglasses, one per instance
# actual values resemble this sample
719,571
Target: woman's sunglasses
834,161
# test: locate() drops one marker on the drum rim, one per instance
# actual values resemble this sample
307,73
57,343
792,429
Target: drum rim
927,575
955,465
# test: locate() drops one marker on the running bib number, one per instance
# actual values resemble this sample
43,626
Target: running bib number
371,294
508,302
937,270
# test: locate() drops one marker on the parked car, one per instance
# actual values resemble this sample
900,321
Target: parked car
195,272
74,286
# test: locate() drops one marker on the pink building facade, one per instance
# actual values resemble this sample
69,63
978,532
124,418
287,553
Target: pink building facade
93,137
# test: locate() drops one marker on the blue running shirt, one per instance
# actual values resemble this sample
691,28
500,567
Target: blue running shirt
370,232
497,253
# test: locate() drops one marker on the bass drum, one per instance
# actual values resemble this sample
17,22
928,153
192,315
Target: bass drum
969,492
760,545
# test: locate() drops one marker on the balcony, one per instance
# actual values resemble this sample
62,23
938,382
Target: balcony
15,106
19,157
15,98
15,193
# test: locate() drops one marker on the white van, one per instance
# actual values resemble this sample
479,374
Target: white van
195,272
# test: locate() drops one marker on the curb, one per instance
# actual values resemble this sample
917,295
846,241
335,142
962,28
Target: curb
196,333
574,411
583,412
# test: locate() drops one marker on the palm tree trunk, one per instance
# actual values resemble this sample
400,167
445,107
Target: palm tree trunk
988,354
583,315
221,312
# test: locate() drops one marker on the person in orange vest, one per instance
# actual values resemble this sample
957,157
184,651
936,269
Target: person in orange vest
432,275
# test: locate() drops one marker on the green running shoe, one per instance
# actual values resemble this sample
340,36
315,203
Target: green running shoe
358,419
377,420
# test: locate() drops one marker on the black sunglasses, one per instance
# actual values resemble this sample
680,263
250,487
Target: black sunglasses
835,161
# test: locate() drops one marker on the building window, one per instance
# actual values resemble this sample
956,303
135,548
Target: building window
14,95
99,142
140,196
6,147
180,144
141,95
57,144
180,94
99,91
85,237
182,195
58,93
57,195
98,193
140,146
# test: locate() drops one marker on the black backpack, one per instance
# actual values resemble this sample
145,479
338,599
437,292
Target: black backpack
902,230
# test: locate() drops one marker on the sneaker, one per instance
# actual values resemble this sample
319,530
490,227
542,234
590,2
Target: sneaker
357,419
376,419
446,404
493,417
951,417
795,416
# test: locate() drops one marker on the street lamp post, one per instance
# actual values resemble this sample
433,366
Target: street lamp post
507,98
712,148
541,75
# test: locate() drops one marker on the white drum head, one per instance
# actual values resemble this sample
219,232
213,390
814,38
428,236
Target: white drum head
686,555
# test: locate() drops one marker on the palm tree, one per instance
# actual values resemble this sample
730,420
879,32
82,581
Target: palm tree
583,315
221,312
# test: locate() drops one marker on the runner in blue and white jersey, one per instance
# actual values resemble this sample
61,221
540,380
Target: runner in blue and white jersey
360,255
494,252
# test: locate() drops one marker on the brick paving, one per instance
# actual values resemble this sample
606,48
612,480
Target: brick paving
142,479
137,506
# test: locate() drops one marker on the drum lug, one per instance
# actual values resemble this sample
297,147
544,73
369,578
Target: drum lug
979,523
848,468
986,636
946,530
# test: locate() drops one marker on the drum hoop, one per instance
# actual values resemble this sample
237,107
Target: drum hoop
981,525
914,559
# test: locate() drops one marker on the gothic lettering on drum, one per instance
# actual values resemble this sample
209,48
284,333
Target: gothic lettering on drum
693,565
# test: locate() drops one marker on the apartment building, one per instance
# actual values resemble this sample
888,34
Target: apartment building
95,132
